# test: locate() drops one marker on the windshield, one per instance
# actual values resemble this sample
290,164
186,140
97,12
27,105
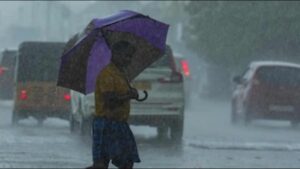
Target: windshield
39,62
279,76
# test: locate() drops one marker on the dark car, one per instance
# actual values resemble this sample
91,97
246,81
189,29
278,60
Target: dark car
267,90
7,70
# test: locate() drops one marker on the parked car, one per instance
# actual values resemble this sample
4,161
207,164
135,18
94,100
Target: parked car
267,90
7,71
36,92
163,109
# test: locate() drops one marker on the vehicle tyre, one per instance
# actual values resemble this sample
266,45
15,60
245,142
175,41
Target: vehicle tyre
15,118
72,123
40,122
86,127
177,130
246,117
162,132
294,123
233,114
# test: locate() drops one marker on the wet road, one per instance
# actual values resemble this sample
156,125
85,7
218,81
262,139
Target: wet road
209,141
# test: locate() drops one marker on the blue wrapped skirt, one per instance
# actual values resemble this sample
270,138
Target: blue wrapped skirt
113,140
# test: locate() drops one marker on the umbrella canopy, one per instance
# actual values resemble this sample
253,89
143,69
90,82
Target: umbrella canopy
86,55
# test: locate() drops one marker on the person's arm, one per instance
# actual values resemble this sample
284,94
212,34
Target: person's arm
106,94
114,99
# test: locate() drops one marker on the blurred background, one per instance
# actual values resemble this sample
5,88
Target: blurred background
220,38
216,40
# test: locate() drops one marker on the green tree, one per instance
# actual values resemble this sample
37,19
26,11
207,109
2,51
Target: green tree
232,33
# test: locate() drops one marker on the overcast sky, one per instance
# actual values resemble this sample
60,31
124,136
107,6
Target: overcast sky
12,12
9,9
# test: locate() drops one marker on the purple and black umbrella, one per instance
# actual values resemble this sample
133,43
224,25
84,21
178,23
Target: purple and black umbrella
87,54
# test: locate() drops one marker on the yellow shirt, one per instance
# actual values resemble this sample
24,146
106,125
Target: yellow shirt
110,79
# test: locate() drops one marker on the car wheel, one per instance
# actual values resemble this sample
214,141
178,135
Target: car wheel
162,132
15,118
72,123
177,130
233,118
294,123
40,122
246,117
86,127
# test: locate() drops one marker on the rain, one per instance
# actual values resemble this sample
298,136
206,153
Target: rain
224,94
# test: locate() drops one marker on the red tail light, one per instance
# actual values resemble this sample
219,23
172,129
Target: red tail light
23,95
67,97
2,70
185,67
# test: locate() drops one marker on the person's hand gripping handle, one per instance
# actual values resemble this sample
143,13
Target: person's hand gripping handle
135,95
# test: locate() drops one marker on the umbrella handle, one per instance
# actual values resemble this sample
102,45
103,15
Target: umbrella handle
143,99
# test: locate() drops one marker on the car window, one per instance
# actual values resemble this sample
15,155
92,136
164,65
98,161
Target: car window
247,73
279,75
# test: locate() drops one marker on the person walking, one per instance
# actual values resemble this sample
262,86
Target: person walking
113,140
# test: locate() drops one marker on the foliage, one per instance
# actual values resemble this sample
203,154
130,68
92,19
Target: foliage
232,33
